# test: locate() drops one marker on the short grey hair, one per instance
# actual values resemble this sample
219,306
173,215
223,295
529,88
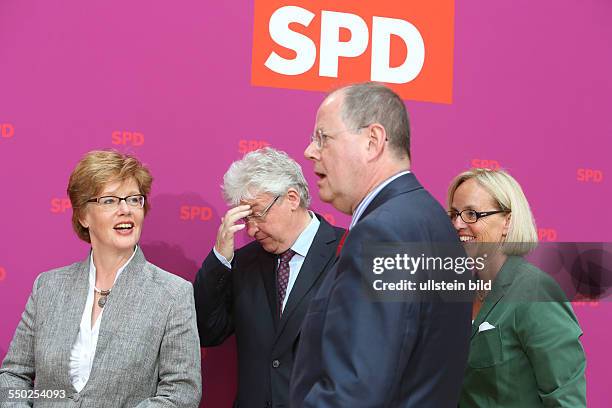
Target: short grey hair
264,170
522,235
371,102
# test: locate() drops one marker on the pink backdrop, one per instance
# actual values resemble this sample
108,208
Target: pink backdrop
532,93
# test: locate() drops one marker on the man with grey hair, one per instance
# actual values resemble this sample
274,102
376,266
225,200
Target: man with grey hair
356,351
261,291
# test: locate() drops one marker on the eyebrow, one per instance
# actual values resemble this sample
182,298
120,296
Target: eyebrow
469,207
114,193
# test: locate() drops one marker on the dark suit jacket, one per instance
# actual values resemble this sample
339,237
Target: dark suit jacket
355,352
243,301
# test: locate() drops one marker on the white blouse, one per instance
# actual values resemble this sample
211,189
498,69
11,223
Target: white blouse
84,348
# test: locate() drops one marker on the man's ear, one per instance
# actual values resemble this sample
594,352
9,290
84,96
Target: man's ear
377,140
293,197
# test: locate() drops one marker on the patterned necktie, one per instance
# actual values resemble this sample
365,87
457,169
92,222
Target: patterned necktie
282,277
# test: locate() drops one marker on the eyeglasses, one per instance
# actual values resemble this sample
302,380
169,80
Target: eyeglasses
256,217
111,203
471,216
319,136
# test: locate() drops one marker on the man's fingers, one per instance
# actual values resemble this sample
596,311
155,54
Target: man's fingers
228,226
231,219
237,209
228,232
236,227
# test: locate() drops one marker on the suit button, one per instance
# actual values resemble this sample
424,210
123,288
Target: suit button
275,363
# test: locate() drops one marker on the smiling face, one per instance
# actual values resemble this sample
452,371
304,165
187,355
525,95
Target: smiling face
341,161
470,195
114,230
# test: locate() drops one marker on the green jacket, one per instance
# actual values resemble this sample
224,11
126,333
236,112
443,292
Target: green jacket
532,357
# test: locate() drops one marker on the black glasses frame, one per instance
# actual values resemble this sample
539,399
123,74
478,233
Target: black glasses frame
479,214
141,203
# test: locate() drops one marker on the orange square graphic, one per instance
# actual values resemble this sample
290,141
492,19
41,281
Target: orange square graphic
315,45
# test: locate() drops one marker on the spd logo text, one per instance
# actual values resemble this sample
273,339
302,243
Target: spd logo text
314,45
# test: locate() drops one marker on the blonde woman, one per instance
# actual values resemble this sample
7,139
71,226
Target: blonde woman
525,349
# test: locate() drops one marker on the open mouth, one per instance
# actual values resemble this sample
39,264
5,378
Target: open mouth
466,238
124,226
320,175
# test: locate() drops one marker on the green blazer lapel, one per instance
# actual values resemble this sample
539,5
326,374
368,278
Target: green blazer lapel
504,279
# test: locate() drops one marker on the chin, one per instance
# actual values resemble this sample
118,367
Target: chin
471,249
325,195
126,245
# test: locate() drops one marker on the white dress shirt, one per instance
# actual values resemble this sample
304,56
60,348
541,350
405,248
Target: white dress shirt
300,247
84,348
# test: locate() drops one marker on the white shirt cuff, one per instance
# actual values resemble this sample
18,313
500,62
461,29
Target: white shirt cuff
222,259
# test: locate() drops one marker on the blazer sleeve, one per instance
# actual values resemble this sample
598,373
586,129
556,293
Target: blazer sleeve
213,294
550,333
366,343
18,368
180,377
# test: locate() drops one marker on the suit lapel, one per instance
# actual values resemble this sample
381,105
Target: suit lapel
504,279
73,300
267,269
124,291
319,255
491,300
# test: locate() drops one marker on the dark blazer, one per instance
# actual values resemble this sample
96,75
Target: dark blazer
147,353
533,356
356,352
243,301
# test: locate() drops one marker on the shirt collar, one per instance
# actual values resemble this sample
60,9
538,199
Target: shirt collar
371,196
304,240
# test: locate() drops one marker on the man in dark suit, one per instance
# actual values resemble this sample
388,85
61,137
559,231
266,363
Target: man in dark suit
354,351
261,291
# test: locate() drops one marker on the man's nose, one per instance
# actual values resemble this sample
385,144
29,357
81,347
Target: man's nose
251,228
312,152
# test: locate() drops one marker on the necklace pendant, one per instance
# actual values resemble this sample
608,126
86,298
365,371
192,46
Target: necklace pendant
103,295
102,301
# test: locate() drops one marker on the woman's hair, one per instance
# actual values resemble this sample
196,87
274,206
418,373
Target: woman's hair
522,234
96,169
